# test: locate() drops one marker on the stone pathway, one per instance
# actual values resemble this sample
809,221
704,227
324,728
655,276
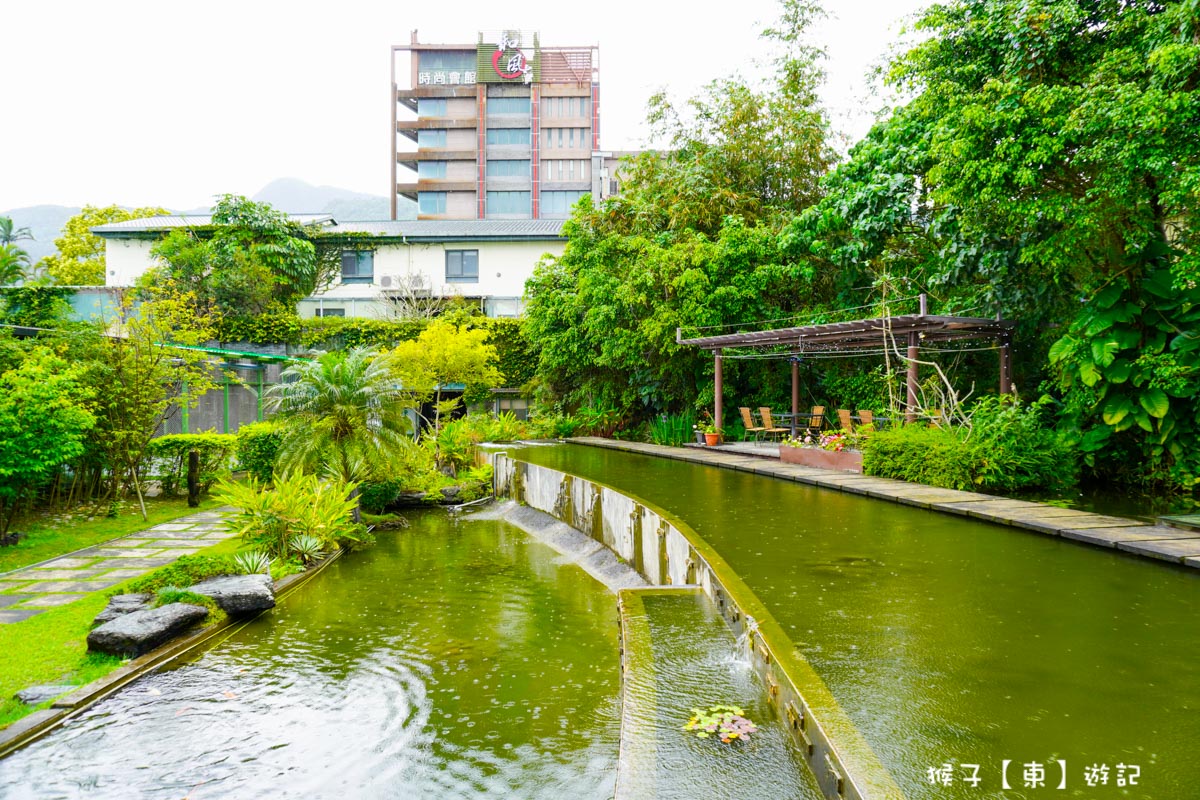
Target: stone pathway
29,591
1161,542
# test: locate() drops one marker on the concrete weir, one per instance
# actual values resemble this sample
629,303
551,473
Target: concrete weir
666,552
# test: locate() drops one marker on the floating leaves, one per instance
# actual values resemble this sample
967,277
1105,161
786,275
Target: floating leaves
726,722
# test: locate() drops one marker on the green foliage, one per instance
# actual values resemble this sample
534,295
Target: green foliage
1128,366
185,571
1008,448
43,423
170,454
251,260
14,263
298,504
258,449
673,430
307,547
174,594
376,496
252,562
35,306
80,257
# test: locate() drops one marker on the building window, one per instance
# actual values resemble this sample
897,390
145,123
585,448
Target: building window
508,169
558,204
508,105
512,203
462,266
432,138
431,169
431,202
508,136
331,312
358,266
431,107
447,60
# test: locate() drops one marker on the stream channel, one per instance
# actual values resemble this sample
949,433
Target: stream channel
953,642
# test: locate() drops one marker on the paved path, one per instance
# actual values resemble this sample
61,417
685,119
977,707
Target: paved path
31,590
1160,542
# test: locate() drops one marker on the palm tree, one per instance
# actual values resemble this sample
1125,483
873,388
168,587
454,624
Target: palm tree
343,415
13,261
9,234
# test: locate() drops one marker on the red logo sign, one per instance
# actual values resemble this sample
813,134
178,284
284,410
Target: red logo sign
515,65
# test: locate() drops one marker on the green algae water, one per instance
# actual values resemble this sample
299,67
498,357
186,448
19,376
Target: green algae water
680,655
455,659
954,644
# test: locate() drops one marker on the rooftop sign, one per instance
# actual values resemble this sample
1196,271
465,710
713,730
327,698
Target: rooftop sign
508,57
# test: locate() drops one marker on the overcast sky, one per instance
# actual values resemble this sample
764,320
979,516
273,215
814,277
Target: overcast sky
151,103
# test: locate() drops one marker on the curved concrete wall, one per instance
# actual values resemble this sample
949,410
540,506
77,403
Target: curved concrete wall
668,552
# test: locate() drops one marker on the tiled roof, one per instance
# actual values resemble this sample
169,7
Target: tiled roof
147,224
419,230
456,228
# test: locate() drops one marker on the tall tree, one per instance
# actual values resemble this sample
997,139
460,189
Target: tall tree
13,263
9,234
250,260
80,257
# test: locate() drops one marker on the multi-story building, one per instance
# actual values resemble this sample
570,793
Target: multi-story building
500,129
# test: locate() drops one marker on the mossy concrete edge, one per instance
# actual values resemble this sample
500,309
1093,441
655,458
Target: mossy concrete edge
849,770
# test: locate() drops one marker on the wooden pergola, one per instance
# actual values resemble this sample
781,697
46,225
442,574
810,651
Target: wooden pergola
881,333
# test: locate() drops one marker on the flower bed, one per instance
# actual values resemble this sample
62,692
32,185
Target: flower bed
844,460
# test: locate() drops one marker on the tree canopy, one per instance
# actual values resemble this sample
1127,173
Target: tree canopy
80,257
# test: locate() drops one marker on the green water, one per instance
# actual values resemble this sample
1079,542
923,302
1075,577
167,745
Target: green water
681,655
954,641
456,659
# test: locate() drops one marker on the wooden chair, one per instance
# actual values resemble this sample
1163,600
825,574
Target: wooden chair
748,422
866,419
769,427
816,421
845,420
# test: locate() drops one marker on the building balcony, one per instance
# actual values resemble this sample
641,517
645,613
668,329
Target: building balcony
411,160
408,97
410,189
434,124
576,185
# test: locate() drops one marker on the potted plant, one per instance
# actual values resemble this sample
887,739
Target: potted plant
833,450
712,434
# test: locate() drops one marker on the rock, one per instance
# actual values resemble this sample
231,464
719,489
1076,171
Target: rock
450,494
141,631
238,594
36,695
409,498
121,604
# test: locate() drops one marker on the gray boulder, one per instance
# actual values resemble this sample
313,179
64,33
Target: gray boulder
36,695
121,604
451,494
141,631
238,594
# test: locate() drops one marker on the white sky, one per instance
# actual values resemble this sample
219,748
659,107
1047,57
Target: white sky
151,103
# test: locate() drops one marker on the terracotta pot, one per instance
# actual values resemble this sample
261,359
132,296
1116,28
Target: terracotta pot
711,439
845,461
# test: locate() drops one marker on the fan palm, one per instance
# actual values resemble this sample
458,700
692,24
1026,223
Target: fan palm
343,415
13,261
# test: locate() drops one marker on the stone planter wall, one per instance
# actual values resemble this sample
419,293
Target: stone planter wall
845,461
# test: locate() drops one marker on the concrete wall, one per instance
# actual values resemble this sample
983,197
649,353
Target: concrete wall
127,259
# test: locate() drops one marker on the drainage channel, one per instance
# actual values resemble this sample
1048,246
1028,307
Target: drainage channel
679,656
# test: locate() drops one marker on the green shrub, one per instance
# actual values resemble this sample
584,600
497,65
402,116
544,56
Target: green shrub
173,594
186,570
298,504
376,496
1006,449
252,562
169,456
257,448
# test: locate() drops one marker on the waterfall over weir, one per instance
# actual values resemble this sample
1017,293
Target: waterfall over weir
668,553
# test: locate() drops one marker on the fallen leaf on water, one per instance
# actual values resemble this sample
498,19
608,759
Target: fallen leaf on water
230,695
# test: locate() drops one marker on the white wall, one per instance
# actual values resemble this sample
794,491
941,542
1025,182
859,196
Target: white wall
126,260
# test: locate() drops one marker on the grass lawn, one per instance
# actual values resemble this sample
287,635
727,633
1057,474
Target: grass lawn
52,646
47,535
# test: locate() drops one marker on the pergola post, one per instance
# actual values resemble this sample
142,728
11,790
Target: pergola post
910,411
795,392
718,389
1006,386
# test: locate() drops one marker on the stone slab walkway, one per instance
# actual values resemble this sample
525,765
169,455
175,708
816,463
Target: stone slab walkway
1159,542
31,590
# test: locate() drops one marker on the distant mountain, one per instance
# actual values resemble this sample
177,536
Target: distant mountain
290,195
45,223
297,197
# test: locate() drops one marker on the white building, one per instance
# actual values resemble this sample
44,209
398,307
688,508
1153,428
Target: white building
483,260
